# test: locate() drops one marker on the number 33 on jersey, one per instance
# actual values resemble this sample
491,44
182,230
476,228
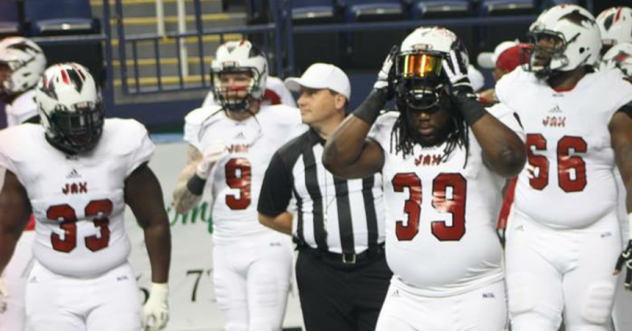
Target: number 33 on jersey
78,201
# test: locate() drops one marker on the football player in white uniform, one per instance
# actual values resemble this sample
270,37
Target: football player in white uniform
620,57
76,172
22,63
443,159
230,148
563,237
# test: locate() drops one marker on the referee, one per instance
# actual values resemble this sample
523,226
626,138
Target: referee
341,270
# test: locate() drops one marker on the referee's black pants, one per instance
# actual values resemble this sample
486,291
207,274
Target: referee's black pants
336,296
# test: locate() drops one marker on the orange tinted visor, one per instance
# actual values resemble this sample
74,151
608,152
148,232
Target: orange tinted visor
419,65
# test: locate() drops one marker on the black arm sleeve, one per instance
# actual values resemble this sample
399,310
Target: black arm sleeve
276,190
627,109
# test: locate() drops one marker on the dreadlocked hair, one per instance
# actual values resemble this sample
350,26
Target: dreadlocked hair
404,136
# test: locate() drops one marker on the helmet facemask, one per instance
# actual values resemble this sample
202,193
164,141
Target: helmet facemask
78,129
236,88
546,61
419,81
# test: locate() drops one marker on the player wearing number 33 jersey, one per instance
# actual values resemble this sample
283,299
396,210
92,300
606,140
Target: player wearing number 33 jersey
76,172
443,159
563,236
230,148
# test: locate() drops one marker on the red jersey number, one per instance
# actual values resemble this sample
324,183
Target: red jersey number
448,195
238,176
99,209
571,170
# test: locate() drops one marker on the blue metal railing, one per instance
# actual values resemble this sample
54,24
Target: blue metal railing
199,32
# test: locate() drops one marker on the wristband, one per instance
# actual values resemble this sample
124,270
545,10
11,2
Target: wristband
471,109
196,185
371,106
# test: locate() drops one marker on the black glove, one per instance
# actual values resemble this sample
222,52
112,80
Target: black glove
386,76
625,261
460,89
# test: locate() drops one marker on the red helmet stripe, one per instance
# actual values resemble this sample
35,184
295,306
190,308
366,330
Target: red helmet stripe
617,17
64,76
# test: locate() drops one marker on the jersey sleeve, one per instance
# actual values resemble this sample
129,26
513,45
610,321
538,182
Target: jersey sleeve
276,190
143,151
276,85
193,125
382,129
509,118
5,143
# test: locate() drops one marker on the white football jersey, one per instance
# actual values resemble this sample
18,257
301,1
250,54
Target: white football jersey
568,181
236,178
78,201
441,214
21,109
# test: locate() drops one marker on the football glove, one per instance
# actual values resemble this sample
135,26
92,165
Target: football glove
386,75
455,67
625,262
211,155
3,294
156,310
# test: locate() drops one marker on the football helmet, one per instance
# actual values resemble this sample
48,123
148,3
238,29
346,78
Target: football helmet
419,78
70,107
620,56
577,40
615,25
239,57
22,63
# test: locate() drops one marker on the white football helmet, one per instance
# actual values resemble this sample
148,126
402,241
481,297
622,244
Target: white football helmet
620,56
70,108
22,63
615,25
239,57
579,34
419,78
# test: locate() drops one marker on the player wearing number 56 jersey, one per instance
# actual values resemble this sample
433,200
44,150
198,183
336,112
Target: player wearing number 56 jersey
443,159
76,172
230,148
563,237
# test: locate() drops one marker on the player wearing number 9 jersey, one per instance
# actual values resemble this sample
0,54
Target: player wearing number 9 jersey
563,238
230,148
76,172
443,159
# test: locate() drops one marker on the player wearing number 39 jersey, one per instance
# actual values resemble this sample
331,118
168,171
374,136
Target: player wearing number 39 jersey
563,237
443,160
230,148
76,172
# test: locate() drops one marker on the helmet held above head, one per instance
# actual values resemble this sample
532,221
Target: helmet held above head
615,25
576,40
420,80
22,63
620,56
243,60
70,107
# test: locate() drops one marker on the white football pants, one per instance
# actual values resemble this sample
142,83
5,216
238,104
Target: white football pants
252,281
550,271
105,303
483,309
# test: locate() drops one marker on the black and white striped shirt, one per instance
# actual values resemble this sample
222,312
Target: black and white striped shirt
333,214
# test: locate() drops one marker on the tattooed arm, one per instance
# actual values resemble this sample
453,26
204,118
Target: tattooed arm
183,198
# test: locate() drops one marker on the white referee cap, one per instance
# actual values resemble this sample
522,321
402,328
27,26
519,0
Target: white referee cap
321,76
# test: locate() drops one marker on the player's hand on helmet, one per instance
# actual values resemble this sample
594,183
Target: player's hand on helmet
156,310
625,264
455,68
386,75
211,155
3,294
